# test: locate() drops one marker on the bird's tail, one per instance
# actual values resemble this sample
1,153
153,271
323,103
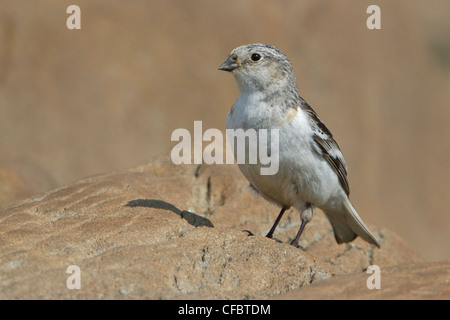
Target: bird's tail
347,225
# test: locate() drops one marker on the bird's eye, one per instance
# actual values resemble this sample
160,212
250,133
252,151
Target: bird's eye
255,57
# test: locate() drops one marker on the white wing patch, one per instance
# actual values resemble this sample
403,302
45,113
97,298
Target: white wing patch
327,147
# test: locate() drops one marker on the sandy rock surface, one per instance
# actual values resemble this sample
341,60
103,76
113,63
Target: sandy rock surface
426,280
161,231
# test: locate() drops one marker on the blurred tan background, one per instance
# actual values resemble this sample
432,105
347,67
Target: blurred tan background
75,103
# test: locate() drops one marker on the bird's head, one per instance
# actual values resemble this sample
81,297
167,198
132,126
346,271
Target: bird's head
260,67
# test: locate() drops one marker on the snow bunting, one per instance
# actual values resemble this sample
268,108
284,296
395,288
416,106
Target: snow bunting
312,171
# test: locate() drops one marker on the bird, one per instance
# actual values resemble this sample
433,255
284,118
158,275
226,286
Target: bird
312,172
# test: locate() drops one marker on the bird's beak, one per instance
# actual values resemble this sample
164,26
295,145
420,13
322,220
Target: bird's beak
230,64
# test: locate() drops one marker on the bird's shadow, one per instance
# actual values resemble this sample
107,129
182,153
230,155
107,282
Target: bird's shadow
192,218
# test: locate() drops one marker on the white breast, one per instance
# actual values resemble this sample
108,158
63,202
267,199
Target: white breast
303,175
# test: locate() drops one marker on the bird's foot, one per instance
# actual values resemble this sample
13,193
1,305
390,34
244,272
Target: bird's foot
250,234
295,244
277,240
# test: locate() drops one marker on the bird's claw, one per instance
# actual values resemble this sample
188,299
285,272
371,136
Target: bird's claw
297,245
277,240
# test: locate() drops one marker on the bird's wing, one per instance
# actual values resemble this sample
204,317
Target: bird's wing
327,147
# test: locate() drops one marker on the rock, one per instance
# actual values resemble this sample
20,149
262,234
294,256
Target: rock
426,280
245,210
161,231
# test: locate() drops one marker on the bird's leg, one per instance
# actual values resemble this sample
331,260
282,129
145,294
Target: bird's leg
306,216
272,230
299,233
